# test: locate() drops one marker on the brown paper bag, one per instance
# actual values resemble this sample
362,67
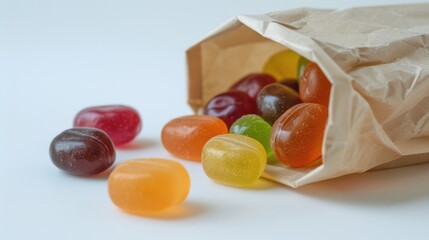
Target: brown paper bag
377,59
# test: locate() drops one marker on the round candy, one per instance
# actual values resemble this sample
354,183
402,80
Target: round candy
82,151
297,136
282,65
314,86
274,100
230,106
253,83
121,123
302,63
184,137
257,128
234,159
148,186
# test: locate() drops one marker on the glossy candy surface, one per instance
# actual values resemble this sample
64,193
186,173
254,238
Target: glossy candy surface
302,63
297,135
234,159
274,100
121,123
82,151
184,137
255,127
282,65
148,186
253,83
314,86
230,106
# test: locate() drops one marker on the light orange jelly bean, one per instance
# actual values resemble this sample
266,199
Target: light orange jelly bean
297,136
184,137
148,186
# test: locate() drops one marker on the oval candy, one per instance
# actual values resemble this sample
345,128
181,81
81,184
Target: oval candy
184,137
148,186
121,123
234,159
297,136
82,151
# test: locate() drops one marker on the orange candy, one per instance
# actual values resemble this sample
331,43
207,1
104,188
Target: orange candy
297,136
148,186
314,86
184,137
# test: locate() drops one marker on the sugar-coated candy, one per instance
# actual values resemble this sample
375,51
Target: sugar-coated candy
302,63
121,123
234,159
314,86
82,151
184,137
282,65
253,83
148,186
257,128
291,82
297,136
274,100
230,106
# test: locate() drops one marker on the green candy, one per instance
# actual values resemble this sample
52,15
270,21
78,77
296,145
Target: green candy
257,128
302,63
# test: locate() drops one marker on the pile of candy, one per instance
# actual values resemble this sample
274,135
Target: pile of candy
275,116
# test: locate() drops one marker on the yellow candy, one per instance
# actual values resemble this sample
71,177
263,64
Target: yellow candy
234,159
282,65
148,186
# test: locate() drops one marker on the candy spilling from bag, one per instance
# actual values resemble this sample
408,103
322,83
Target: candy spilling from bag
375,59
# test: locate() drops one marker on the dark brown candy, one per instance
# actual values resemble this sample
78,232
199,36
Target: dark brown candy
82,151
291,82
274,99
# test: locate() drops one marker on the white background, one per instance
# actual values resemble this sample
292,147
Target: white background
57,57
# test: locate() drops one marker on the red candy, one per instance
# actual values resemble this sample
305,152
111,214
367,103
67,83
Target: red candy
253,83
121,123
230,106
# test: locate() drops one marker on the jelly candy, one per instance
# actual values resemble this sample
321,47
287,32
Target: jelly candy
257,128
82,151
234,159
148,186
230,106
297,136
302,63
184,137
282,65
121,123
274,100
253,83
291,82
314,86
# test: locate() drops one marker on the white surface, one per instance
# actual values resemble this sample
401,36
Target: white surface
58,57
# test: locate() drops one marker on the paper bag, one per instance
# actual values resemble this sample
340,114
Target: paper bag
377,59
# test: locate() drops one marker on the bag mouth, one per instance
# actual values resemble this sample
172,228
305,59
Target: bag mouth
338,41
